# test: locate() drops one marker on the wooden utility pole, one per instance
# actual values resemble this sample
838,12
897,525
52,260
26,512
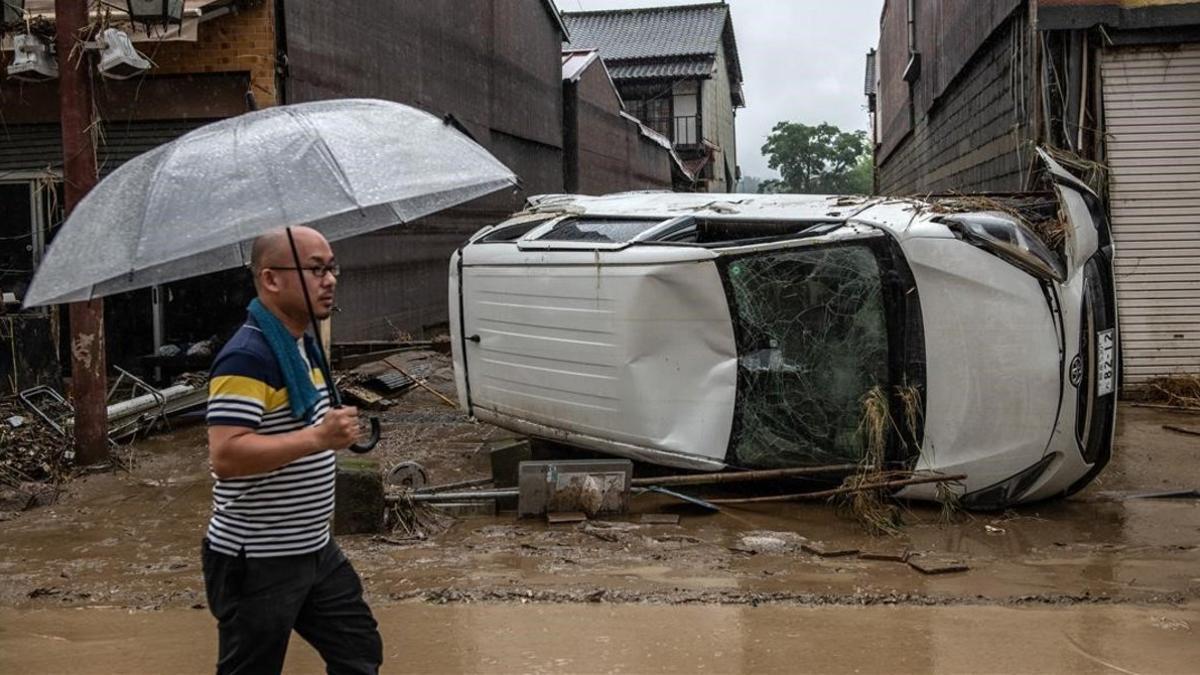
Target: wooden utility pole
88,363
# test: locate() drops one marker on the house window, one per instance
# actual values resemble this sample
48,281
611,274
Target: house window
686,122
654,113
29,210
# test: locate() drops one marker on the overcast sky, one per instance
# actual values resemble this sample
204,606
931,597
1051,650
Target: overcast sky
802,61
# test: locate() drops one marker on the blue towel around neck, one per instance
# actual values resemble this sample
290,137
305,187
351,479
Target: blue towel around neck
302,393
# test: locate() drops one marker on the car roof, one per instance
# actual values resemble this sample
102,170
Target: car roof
889,212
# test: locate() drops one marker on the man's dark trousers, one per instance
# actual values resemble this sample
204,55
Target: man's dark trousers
259,601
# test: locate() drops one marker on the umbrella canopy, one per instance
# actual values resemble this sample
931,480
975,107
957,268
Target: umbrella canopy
195,205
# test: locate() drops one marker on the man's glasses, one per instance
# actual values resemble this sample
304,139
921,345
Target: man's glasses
318,271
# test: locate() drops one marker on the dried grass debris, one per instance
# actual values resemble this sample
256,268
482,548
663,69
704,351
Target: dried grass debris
1041,217
415,521
1180,391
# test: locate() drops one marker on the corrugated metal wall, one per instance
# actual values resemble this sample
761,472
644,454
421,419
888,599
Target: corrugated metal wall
1152,111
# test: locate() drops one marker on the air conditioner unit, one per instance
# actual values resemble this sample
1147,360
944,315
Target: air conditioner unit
118,59
32,60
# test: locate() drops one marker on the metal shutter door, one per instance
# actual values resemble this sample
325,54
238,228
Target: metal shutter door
1152,117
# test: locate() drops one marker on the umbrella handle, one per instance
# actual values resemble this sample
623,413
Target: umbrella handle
335,397
371,441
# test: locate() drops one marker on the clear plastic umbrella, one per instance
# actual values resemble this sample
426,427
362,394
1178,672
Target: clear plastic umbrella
195,205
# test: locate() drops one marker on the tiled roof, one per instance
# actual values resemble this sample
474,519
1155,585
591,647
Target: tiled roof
660,42
649,32
658,69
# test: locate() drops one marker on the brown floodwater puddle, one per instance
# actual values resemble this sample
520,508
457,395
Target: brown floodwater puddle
131,540
541,638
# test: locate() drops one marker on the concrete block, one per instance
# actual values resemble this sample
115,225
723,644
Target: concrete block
359,494
506,458
593,486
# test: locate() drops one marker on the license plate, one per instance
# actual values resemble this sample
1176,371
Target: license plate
1106,360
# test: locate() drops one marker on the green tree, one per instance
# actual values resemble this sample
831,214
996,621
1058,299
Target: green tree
820,159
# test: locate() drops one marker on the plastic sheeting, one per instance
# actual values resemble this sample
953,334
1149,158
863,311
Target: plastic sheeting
194,205
813,341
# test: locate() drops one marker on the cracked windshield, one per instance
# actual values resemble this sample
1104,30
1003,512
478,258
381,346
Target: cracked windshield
812,341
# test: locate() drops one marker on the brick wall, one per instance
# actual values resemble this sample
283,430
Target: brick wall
235,43
975,137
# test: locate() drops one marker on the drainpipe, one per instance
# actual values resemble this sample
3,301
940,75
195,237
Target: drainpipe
912,26
570,137
282,71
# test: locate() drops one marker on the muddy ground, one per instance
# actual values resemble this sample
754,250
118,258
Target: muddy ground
130,540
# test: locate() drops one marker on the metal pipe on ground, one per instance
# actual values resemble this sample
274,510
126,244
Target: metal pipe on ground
822,494
741,476
428,489
148,401
453,496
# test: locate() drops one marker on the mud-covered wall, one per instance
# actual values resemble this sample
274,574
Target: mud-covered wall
495,65
613,155
974,135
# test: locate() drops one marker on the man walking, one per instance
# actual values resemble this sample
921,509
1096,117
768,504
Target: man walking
270,564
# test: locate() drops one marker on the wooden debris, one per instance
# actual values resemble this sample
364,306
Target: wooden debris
802,496
31,451
395,363
927,564
362,397
1172,408
827,550
1181,430
741,476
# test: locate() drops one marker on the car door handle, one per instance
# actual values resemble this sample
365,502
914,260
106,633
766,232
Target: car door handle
474,338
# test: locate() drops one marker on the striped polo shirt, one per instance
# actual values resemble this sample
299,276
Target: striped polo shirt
281,512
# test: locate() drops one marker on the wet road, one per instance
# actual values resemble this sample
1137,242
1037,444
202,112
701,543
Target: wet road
108,580
648,639
132,541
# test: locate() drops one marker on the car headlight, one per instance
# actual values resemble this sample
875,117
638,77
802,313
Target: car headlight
1006,237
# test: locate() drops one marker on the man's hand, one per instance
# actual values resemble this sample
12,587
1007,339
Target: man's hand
339,429
240,451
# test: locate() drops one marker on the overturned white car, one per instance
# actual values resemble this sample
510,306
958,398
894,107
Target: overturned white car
706,332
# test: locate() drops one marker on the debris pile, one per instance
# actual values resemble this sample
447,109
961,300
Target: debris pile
1040,215
414,521
30,451
1179,391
